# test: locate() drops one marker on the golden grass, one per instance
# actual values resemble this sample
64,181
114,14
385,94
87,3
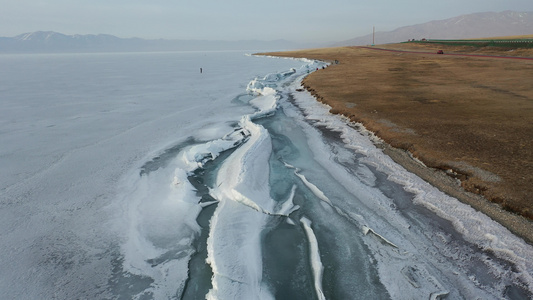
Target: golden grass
430,47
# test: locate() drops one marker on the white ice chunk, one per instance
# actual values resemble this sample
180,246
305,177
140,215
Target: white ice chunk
316,263
234,242
316,191
367,230
244,176
288,206
234,252
165,223
266,102
196,156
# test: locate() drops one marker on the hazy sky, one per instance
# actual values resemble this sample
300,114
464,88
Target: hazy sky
297,20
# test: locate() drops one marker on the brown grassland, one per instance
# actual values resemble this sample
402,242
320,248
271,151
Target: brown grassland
527,36
468,119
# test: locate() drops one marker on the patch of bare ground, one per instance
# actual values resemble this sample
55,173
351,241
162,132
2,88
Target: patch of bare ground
469,117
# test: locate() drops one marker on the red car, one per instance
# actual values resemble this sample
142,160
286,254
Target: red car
440,52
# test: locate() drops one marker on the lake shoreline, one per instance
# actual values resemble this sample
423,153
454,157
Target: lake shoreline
342,86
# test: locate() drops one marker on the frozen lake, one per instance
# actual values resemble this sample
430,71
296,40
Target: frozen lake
136,176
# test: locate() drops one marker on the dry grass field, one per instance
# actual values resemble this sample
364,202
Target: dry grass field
420,47
527,36
471,118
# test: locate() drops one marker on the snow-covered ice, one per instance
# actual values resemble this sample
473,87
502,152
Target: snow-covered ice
135,176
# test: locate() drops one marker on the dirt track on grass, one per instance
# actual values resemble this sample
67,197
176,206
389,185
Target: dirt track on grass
469,117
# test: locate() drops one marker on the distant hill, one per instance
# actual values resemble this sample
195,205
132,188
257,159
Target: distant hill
54,42
478,25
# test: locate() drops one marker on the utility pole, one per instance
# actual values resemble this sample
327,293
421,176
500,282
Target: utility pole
373,35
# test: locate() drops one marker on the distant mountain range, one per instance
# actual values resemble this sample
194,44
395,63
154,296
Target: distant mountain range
53,42
478,25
